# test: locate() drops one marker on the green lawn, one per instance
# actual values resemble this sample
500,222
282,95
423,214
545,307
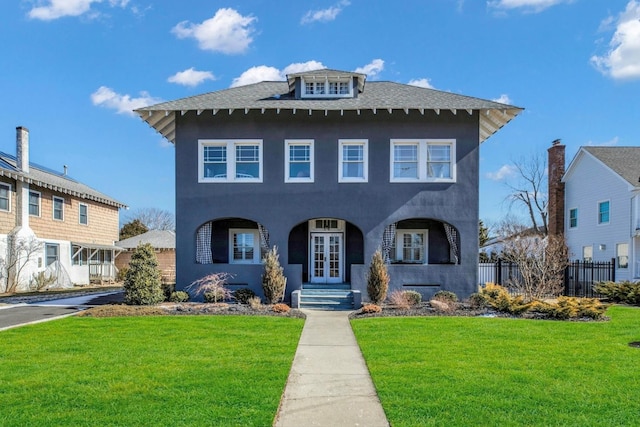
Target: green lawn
505,372
168,370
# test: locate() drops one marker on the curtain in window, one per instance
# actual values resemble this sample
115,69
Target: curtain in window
388,236
204,254
452,237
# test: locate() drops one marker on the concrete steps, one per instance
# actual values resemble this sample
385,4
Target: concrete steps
337,296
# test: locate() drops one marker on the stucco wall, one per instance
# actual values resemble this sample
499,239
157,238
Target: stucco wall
280,206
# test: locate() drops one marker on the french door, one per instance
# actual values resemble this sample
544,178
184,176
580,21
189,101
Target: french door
326,258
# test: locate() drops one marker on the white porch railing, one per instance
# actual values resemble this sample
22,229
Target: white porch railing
102,272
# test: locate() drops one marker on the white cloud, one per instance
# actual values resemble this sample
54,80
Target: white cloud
421,83
263,73
372,69
53,9
534,6
503,99
622,61
123,104
506,171
191,77
324,15
227,32
613,141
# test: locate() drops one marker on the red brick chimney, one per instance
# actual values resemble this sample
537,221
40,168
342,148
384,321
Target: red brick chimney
555,206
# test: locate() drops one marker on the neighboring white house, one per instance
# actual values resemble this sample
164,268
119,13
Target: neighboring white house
602,207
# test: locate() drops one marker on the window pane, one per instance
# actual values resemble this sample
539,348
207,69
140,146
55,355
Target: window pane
439,161
622,250
4,198
438,170
243,246
34,204
215,154
573,218
353,170
215,162
247,161
352,153
215,170
299,170
603,212
405,161
587,253
320,88
344,88
83,214
299,153
51,252
333,88
405,170
412,247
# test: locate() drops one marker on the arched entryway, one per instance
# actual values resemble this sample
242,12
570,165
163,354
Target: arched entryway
326,248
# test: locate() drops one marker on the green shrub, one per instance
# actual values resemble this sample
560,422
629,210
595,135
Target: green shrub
217,295
168,289
498,298
626,292
179,296
142,281
243,295
273,281
477,301
446,296
571,308
122,273
377,279
414,298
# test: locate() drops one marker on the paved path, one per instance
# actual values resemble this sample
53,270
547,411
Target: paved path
329,383
12,316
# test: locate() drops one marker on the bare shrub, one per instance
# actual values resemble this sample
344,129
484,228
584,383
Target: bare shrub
399,300
280,308
118,310
255,303
211,287
541,262
273,281
370,308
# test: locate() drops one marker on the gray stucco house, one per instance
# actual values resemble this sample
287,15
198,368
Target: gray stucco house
329,167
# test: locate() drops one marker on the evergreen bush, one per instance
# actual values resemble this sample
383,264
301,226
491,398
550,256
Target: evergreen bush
273,281
626,292
179,296
243,295
446,296
377,279
142,282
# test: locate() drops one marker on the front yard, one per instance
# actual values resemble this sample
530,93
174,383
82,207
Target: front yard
166,370
477,371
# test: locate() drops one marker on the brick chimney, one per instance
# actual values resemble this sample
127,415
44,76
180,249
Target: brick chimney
555,206
22,149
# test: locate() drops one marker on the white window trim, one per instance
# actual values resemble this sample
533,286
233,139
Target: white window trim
618,256
365,154
291,142
231,159
422,159
80,213
9,189
569,218
399,246
53,208
326,81
256,245
598,212
39,203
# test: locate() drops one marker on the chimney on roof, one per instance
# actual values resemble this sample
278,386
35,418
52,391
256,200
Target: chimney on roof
65,170
555,206
22,149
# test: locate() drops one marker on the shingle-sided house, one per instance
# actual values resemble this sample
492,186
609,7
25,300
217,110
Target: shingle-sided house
602,207
52,224
329,168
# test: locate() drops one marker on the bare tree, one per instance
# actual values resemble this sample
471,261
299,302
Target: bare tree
19,252
154,218
530,190
541,262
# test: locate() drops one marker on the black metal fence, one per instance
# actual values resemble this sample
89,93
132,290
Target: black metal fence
579,276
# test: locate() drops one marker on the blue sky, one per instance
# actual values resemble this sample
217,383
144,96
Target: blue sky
72,71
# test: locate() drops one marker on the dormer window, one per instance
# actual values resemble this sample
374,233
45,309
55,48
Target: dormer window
326,87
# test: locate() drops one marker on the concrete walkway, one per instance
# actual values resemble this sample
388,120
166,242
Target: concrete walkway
329,383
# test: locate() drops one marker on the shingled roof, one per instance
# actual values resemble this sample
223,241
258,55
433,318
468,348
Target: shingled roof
55,181
159,239
379,96
625,161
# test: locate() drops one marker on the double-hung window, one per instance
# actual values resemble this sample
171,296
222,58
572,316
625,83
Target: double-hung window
353,160
298,160
328,88
244,246
411,246
58,208
5,197
573,218
603,212
52,253
423,160
622,253
587,253
34,203
237,160
83,215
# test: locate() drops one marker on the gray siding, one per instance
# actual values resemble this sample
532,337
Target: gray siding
368,207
